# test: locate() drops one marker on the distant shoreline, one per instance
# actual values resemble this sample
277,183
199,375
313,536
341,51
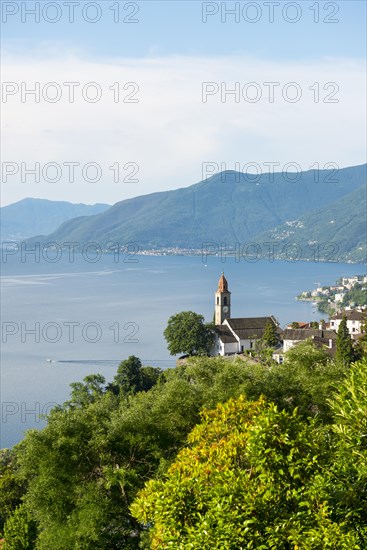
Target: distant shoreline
49,248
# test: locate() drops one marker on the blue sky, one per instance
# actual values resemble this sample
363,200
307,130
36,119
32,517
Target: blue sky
176,27
169,133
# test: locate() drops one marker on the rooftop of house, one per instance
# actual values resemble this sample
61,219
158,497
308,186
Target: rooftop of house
323,343
298,334
301,324
350,314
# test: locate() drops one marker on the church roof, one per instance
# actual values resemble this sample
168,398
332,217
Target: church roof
241,323
222,284
225,334
247,328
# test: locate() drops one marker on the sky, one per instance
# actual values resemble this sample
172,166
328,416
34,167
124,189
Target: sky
131,98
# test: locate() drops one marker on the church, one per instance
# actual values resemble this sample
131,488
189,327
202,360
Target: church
235,334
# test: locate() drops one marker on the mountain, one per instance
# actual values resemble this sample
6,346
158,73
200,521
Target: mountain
227,208
32,216
335,233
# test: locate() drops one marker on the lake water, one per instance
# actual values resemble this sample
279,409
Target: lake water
87,317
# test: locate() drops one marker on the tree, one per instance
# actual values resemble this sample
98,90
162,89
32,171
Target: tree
132,377
344,347
186,332
20,530
87,391
247,480
12,488
86,466
346,482
270,337
78,476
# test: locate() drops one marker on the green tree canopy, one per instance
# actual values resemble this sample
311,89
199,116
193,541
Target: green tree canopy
132,377
270,337
88,391
78,476
344,345
247,480
187,333
12,488
20,530
346,487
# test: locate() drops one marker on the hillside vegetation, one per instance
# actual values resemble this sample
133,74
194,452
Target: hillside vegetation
209,455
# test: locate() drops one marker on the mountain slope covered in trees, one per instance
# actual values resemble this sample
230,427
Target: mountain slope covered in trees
340,228
227,208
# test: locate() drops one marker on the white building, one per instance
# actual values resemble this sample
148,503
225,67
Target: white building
292,337
338,297
235,335
349,282
355,320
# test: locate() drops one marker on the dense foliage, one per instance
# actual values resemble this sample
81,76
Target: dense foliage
344,345
250,479
187,333
279,460
270,336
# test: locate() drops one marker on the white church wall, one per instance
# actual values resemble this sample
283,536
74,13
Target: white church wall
231,347
247,344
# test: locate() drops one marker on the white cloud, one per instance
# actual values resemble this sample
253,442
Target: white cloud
170,132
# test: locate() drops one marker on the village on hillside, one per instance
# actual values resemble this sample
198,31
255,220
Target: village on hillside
348,293
242,335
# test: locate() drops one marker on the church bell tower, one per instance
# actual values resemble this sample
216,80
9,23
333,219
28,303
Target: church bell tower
222,301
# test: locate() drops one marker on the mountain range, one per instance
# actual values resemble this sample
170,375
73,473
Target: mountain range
324,210
29,216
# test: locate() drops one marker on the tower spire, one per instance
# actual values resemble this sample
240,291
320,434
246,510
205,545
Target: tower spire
222,284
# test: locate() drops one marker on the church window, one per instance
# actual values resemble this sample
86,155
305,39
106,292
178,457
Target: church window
225,300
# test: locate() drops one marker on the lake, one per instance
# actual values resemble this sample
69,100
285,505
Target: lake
86,317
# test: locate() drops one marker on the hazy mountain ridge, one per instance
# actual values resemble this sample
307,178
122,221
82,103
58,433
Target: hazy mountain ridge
231,208
30,216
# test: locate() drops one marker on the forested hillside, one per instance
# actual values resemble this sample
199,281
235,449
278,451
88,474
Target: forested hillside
231,208
210,455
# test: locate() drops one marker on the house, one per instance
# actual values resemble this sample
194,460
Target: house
292,337
338,297
300,324
321,336
278,355
235,334
355,320
349,282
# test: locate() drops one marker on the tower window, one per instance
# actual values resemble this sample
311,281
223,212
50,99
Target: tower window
225,300
217,300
